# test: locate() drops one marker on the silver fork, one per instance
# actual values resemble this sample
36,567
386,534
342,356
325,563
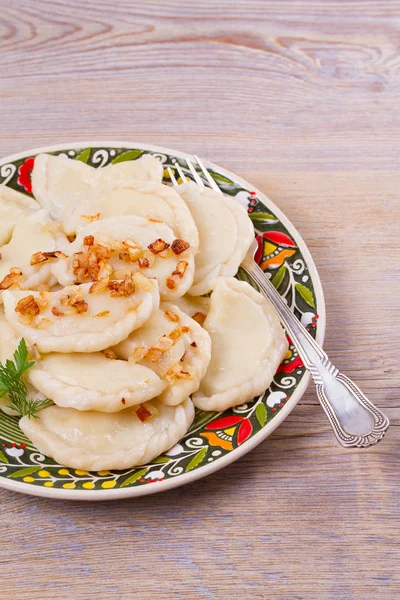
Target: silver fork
354,419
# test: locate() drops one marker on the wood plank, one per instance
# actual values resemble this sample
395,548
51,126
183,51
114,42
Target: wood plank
300,97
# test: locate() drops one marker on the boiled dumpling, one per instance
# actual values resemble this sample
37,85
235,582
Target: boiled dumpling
31,235
248,344
179,351
128,237
117,197
225,233
76,320
95,441
13,206
94,382
60,184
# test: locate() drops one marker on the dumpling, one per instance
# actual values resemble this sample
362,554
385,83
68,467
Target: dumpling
13,206
248,344
94,382
76,320
175,346
129,239
117,197
60,184
31,235
95,441
225,234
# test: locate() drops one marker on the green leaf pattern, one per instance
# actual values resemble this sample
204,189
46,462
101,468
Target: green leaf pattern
306,294
197,459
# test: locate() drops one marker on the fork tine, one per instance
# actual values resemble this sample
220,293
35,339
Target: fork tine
172,176
207,175
194,173
181,173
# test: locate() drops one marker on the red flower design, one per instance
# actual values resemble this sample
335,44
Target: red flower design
221,432
291,366
292,361
224,422
273,249
24,172
244,431
259,253
279,238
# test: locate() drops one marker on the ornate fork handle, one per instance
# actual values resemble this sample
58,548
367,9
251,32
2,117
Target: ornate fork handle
354,419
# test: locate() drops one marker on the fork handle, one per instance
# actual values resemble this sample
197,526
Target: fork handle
354,419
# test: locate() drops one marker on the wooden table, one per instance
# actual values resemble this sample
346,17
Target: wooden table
301,98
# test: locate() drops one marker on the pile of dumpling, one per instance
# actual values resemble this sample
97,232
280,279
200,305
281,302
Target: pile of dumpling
107,275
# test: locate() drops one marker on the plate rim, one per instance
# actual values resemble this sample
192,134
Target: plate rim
240,451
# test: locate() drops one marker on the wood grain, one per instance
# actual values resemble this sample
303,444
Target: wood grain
301,98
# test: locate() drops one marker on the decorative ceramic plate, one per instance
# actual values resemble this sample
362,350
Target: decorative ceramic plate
215,439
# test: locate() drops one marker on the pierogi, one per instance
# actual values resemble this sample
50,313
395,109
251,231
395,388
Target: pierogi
225,235
175,346
247,346
134,244
76,320
95,441
32,248
147,199
94,381
60,184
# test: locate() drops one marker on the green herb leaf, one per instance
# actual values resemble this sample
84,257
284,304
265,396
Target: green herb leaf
3,457
23,472
278,277
20,358
263,217
305,293
197,459
134,477
129,155
11,383
84,155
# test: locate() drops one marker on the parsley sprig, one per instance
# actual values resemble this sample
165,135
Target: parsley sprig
11,383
